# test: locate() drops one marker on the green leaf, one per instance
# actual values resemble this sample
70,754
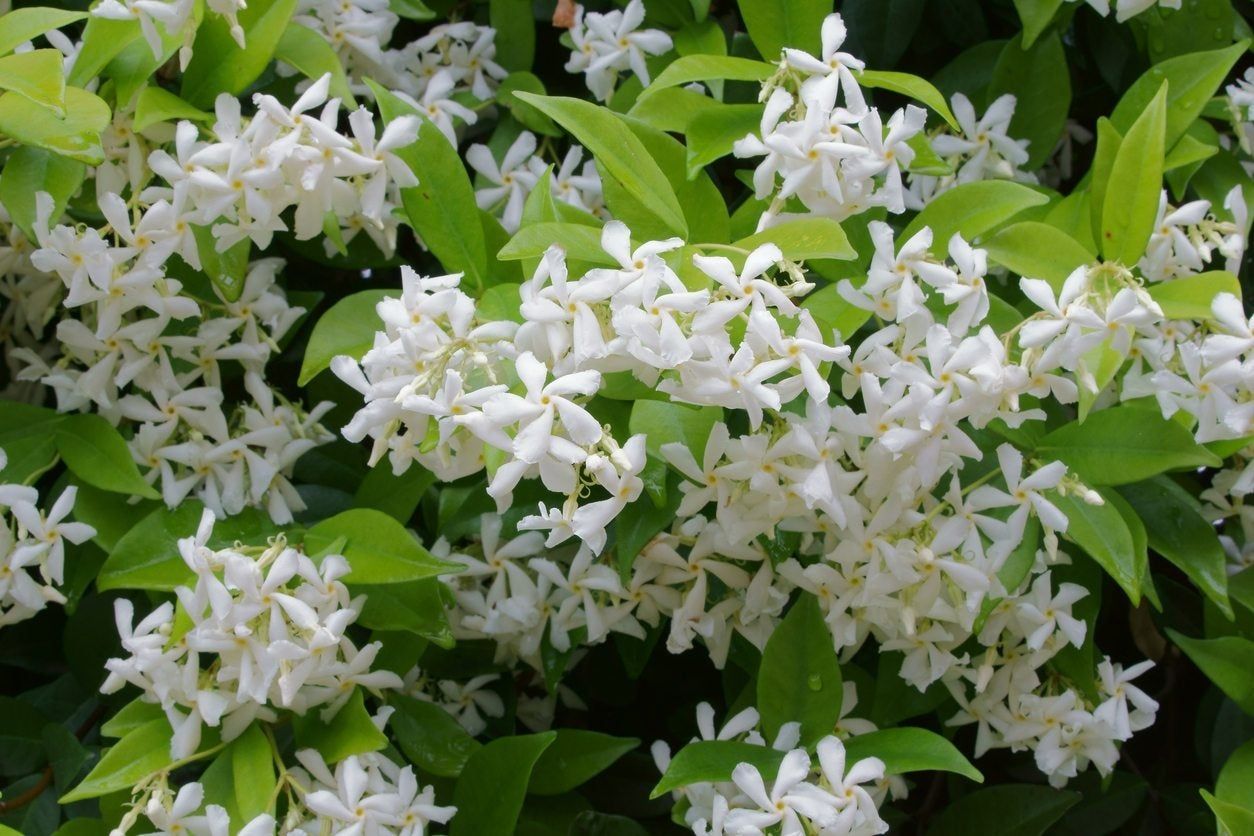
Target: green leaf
156,104
37,76
1036,15
640,522
225,269
311,54
574,757
1101,532
1136,181
349,732
77,136
147,556
25,436
379,550
516,20
218,64
1232,819
21,746
1192,79
690,68
973,209
396,496
713,761
713,132
804,239
527,115
1007,810
1037,251
775,24
581,243
1177,530
429,736
1124,444
441,208
412,606
95,452
592,823
1041,82
241,779
347,328
799,678
28,171
1237,777
102,40
1108,141
134,714
833,310
909,749
1191,297
412,9
140,753
22,25
500,771
911,86
619,151
673,109
1226,661
664,422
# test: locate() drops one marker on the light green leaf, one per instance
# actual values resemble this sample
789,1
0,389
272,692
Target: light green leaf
1226,661
1236,778
95,452
574,757
1036,15
1188,151
241,779
673,109
690,68
218,65
37,76
499,771
102,40
22,25
908,749
147,556
379,550
1192,79
311,54
1037,251
1136,181
140,753
803,240
775,24
713,132
911,86
1041,82
1124,444
713,761
619,151
134,714
441,208
1008,809
581,243
1108,141
1191,296
1231,819
527,115
28,171
349,732
973,209
430,737
1101,532
156,104
76,136
799,678
347,328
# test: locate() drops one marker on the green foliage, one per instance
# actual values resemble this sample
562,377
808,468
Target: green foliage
799,678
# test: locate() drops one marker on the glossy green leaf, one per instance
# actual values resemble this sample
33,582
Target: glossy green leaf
1037,250
804,239
1191,297
95,452
25,24
76,136
140,753
581,243
713,761
499,771
37,75
776,24
973,209
156,104
28,171
346,328
911,86
379,550
1124,444
690,68
516,47
241,779
1226,661
622,154
1100,530
799,679
1036,15
350,732
310,53
574,757
1040,80
713,132
908,749
430,737
1130,204
218,64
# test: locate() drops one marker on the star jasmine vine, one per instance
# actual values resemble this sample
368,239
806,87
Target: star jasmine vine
755,418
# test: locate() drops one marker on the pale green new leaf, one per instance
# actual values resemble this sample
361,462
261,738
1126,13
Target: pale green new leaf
1130,203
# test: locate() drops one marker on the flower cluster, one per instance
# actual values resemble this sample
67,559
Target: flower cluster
429,72
982,150
605,45
509,182
177,18
1126,9
822,144
262,629
828,798
32,549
